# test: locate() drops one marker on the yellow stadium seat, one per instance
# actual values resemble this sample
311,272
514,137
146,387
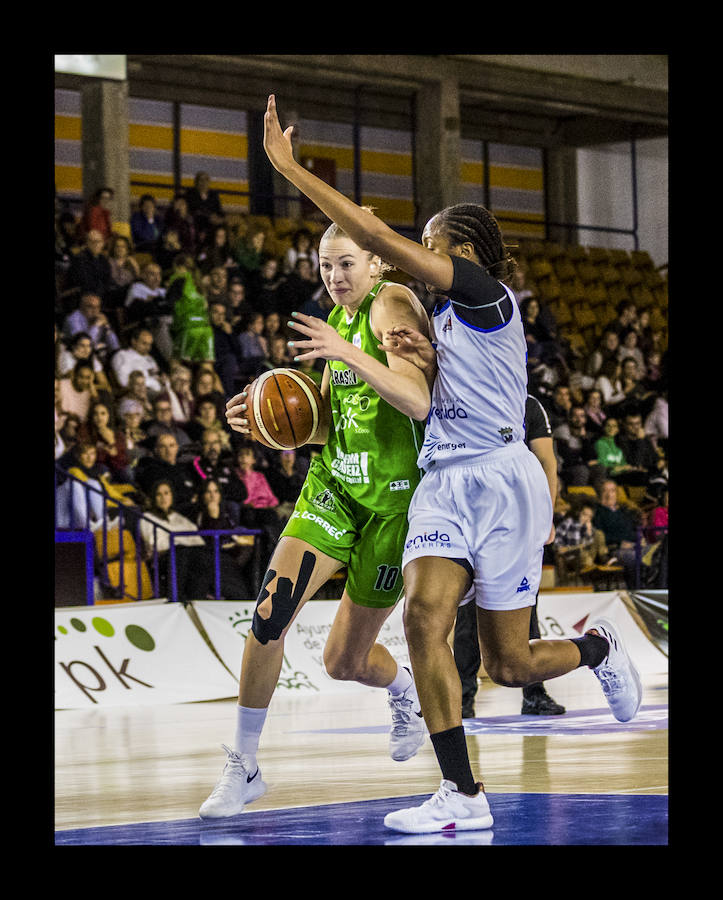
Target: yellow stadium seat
596,293
619,257
572,292
130,579
540,268
576,252
598,255
617,293
641,259
112,542
587,271
610,274
143,259
630,276
549,288
642,296
553,250
565,269
532,249
587,489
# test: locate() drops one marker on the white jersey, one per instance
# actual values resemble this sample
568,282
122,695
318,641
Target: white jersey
479,394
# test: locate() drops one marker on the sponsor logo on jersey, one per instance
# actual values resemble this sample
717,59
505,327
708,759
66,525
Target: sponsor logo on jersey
432,445
506,434
308,516
353,468
399,485
434,538
324,500
352,405
343,377
451,409
524,586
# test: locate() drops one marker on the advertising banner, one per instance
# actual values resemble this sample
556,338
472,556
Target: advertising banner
133,654
652,607
568,615
156,652
227,623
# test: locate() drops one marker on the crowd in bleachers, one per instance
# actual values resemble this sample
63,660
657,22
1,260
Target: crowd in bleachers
159,320
596,323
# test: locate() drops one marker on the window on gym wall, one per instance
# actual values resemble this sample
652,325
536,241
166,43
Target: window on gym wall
509,180
387,174
215,140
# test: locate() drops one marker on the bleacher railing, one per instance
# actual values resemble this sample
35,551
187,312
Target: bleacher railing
84,508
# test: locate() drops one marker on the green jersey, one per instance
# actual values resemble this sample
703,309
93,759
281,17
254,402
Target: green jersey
372,448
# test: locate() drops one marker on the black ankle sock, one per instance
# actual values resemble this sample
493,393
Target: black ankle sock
451,749
533,691
593,649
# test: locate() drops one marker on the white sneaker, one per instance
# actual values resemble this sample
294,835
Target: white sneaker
447,810
239,784
617,674
408,728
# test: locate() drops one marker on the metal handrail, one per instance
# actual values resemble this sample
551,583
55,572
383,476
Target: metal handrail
134,511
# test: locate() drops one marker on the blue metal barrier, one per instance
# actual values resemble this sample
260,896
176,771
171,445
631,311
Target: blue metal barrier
81,508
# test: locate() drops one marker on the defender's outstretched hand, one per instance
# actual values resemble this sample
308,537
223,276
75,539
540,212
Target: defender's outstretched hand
277,143
411,345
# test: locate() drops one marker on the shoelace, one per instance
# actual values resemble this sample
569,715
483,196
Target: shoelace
401,712
233,769
611,680
440,798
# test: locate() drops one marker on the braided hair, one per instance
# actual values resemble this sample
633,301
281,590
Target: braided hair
472,222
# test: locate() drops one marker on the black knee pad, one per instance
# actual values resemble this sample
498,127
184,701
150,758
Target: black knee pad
284,601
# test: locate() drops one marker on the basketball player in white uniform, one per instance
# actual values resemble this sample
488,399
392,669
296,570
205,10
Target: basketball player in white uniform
482,512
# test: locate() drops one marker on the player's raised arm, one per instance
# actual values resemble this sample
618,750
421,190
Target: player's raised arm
364,228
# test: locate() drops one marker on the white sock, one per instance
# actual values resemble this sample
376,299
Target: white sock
402,680
249,724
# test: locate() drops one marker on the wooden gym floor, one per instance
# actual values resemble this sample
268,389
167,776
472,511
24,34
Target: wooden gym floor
136,776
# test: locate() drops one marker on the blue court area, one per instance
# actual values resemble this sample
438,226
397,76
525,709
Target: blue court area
520,819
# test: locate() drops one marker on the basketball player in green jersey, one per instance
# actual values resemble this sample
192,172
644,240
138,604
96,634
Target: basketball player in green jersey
352,510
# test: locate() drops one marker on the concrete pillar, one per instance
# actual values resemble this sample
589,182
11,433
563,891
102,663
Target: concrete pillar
561,193
104,111
438,154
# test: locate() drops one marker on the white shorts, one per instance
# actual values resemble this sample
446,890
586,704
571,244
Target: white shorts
496,514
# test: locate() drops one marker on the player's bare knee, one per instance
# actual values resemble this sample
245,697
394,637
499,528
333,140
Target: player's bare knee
340,667
419,625
507,672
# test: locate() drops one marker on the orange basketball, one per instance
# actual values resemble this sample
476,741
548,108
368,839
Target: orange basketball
283,408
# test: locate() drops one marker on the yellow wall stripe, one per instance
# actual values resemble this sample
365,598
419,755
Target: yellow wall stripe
511,177
388,163
68,178
68,128
151,137
391,209
343,156
214,143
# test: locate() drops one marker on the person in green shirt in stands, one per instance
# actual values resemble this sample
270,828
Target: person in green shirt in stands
609,455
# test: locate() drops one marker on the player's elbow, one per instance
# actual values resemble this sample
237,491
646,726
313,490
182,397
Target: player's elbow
420,411
417,406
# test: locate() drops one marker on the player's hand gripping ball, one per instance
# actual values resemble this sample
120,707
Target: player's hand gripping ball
283,408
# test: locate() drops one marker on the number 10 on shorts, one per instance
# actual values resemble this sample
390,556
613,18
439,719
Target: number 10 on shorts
386,578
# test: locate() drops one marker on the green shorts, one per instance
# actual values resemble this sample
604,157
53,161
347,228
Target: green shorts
369,545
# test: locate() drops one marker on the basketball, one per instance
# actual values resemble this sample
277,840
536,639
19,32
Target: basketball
284,408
